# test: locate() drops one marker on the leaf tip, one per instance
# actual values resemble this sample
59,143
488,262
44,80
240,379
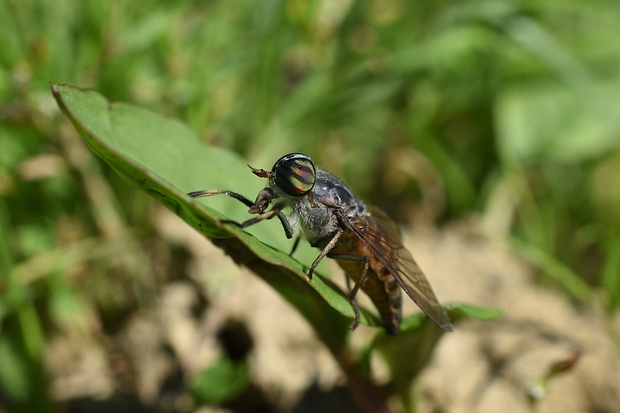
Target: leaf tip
447,327
54,87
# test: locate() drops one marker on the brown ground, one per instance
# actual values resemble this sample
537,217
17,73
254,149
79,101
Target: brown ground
481,367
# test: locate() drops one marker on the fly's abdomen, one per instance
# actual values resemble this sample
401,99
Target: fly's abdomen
385,293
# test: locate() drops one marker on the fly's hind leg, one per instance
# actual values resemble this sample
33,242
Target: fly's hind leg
353,292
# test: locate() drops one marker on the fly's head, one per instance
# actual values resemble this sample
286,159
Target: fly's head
293,176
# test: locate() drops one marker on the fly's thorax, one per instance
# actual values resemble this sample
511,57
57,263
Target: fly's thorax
315,211
317,221
331,190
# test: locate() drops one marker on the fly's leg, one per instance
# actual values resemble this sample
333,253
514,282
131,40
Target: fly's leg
267,215
330,245
210,192
295,245
255,220
353,292
288,230
347,279
275,211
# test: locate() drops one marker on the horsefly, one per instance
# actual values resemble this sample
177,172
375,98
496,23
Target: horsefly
362,239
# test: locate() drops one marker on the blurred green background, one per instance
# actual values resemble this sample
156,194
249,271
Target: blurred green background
508,112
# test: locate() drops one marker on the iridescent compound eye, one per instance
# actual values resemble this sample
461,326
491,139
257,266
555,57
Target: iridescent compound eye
294,174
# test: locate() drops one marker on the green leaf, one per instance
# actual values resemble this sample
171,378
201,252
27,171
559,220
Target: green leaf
221,382
460,311
166,160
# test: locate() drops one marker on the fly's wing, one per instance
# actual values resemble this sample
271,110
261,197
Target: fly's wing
382,238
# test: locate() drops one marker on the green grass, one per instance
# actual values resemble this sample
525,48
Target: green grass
512,107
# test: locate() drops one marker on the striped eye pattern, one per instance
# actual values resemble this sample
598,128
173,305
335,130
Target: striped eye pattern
294,174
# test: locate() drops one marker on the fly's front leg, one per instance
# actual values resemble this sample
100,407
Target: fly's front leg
353,292
239,197
258,207
295,245
288,230
255,220
210,192
275,211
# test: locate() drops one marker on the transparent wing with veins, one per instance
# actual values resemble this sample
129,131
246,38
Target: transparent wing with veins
382,238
